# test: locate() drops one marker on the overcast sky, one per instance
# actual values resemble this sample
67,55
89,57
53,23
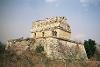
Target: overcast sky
16,17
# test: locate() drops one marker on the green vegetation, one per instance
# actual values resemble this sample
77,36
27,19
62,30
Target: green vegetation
90,47
97,56
2,51
39,49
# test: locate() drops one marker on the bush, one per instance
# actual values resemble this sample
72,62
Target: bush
90,47
39,49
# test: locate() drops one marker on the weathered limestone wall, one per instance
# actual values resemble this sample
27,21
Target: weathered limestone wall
60,49
39,34
48,33
62,34
18,46
42,27
56,45
47,23
53,34
53,47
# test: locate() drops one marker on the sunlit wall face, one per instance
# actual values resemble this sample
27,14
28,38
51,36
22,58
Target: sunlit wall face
16,17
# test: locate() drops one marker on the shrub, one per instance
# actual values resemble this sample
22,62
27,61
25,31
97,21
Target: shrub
39,49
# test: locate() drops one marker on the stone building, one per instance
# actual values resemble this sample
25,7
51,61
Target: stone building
56,27
54,35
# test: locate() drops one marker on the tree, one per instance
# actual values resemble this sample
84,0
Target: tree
90,47
2,48
2,51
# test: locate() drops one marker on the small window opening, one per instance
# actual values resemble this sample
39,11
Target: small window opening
43,34
54,33
35,34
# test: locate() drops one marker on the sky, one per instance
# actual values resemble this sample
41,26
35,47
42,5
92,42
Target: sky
83,16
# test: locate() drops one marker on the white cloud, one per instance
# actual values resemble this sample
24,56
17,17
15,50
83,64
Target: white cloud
90,2
50,1
55,3
78,36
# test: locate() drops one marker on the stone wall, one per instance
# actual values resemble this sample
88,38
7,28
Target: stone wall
53,35
62,34
48,23
54,48
61,49
57,24
18,46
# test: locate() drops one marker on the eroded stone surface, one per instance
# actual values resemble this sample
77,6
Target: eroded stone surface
53,34
60,49
47,27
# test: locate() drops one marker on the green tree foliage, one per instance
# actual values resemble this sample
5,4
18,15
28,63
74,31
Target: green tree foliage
90,47
39,49
2,50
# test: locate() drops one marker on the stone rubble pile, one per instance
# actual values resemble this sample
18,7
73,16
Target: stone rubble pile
18,46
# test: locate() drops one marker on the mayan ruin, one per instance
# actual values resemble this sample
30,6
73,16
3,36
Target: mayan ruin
53,35
49,33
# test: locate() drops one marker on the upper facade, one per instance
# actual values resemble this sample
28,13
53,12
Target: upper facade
51,27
